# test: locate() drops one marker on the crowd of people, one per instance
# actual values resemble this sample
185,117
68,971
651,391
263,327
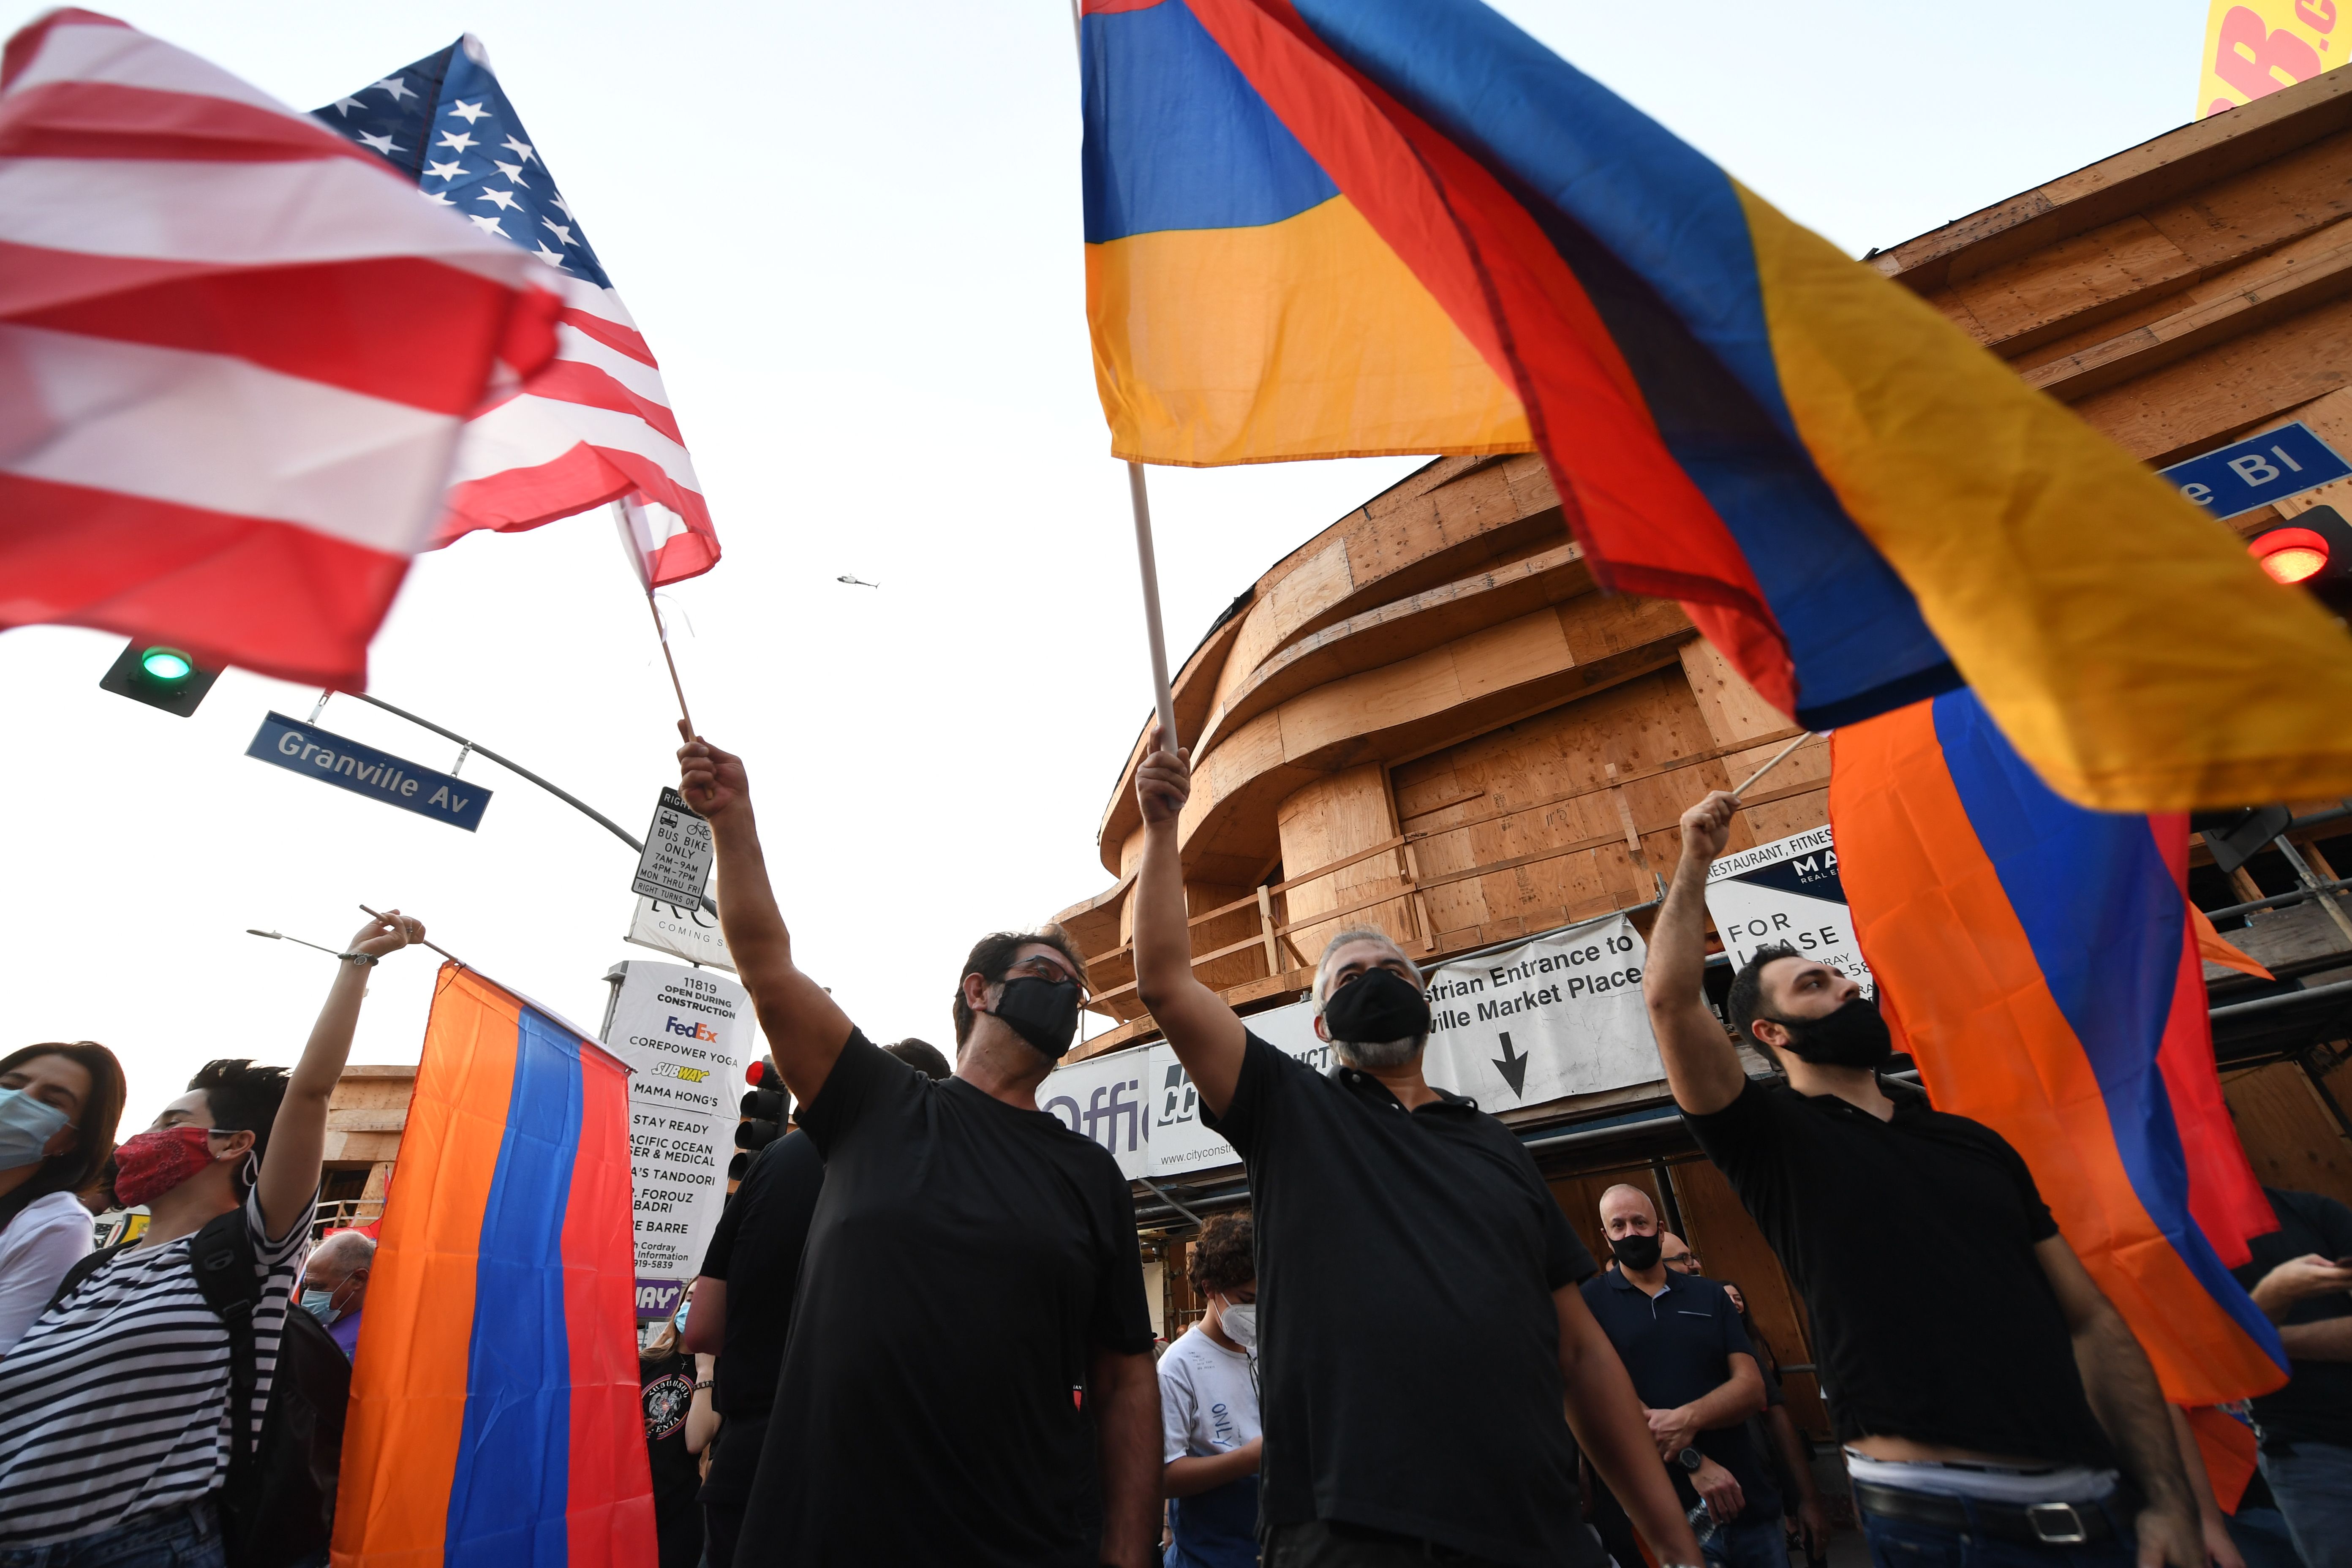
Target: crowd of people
920,1335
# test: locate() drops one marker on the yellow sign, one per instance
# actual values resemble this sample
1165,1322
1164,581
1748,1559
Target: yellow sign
2254,47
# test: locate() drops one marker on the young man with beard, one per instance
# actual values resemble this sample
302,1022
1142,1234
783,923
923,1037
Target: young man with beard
1420,1328
969,1377
1985,1391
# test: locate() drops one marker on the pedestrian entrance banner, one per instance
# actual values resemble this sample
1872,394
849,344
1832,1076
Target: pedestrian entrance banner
675,865
1786,891
1561,1014
495,1413
686,1032
685,930
348,764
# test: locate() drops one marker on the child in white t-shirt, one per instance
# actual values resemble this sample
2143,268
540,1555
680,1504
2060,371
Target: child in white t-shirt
1208,1407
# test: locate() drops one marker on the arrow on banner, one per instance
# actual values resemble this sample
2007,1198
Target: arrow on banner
1514,1068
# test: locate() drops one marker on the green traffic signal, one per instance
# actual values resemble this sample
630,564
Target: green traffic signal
159,677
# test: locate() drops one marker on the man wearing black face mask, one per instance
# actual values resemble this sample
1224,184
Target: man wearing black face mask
1422,1335
969,1377
1985,1390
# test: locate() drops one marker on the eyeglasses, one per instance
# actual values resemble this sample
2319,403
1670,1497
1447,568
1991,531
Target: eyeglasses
1040,967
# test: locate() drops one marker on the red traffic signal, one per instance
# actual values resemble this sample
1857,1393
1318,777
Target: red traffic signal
2313,552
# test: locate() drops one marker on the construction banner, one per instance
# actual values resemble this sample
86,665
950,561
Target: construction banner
2254,47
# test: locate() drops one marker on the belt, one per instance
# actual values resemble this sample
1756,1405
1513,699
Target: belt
2084,1523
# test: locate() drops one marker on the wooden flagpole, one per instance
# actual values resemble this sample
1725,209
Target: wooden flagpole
1778,758
1162,696
638,564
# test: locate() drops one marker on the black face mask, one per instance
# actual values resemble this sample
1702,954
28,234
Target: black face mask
1379,1005
1042,1012
1638,1252
1853,1036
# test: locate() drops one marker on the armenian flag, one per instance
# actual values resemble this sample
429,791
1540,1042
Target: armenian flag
2038,962
495,1420
1340,227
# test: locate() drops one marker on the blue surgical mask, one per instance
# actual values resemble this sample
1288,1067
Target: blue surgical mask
680,1319
320,1304
26,1125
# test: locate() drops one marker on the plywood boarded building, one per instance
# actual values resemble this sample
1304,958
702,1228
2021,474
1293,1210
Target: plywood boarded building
1427,718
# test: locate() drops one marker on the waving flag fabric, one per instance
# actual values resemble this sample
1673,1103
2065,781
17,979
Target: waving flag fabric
1856,504
595,424
235,358
494,1419
2038,962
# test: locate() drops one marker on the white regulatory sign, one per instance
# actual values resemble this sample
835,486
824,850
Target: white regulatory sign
676,864
1786,891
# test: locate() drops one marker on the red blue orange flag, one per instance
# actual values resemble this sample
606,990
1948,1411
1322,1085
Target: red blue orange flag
2038,962
495,1418
1340,228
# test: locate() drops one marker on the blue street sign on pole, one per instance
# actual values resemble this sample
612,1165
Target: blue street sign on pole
2258,471
347,764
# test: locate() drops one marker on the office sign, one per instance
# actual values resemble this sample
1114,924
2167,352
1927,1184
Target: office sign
686,931
2258,471
686,1032
675,865
1786,891
332,759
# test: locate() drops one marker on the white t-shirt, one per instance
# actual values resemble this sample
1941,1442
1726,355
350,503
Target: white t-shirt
1208,1398
49,1236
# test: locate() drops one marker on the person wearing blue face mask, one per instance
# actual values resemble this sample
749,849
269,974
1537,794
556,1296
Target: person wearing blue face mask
58,1106
334,1285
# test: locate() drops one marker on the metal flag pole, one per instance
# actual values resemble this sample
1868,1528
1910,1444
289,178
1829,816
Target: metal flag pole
638,563
1144,559
1778,758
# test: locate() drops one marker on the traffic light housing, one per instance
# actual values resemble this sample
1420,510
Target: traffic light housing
763,1109
159,676
2312,551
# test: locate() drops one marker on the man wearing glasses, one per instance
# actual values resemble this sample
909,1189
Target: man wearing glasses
969,1377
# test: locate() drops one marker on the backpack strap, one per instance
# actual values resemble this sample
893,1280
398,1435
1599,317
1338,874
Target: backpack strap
221,1254
84,1267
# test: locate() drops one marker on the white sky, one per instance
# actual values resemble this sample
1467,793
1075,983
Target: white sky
852,234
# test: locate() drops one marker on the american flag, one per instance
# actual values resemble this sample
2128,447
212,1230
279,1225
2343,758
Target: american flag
235,359
595,425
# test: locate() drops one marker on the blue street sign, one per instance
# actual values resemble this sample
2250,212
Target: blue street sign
347,764
2258,471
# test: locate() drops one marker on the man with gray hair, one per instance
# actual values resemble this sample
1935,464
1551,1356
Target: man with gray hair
1420,1328
335,1282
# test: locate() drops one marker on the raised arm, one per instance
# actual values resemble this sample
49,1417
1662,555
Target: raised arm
298,1138
1206,1033
805,1031
1702,1066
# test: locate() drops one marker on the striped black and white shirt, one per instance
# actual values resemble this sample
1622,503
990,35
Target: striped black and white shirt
115,1402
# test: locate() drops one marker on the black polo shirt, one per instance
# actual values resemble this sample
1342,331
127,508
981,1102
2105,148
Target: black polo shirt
1409,1342
1678,1347
2316,1405
1912,1243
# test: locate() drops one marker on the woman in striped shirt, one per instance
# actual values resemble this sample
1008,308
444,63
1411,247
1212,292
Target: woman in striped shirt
114,1418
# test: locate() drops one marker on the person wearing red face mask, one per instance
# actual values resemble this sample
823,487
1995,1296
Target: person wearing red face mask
115,1419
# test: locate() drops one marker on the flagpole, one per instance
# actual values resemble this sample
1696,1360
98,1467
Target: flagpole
1149,566
662,631
1778,757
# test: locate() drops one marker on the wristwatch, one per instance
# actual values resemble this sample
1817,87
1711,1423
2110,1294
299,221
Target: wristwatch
1690,1459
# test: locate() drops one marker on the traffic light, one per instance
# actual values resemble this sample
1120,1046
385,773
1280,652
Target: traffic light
2312,551
159,677
763,1110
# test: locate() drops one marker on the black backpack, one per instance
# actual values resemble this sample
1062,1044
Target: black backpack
278,1506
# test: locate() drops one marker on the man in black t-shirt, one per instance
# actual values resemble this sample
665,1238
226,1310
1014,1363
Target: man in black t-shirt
2300,1277
1419,1331
743,1308
1982,1385
969,1377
